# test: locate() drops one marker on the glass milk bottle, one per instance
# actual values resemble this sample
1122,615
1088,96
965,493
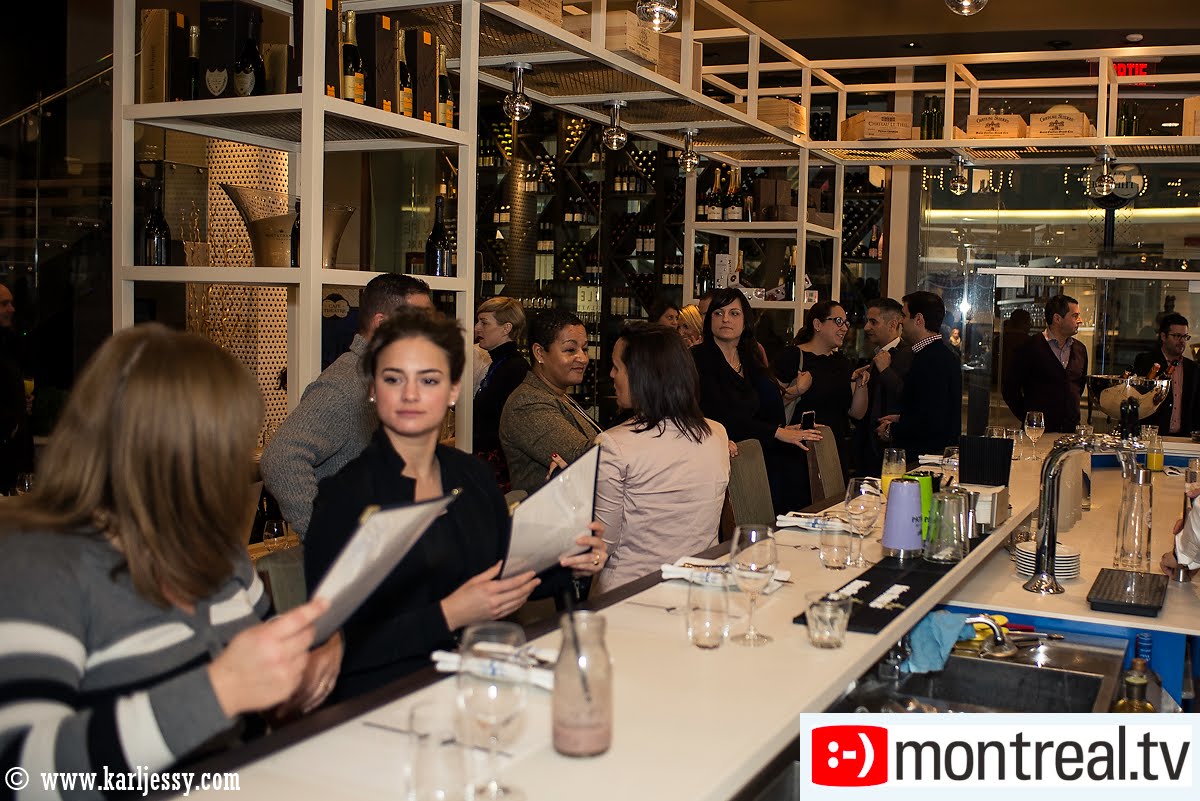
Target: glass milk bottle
1133,522
582,701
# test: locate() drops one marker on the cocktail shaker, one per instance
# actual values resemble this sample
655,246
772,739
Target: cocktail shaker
903,519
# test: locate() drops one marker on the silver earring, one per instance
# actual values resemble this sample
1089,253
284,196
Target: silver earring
371,399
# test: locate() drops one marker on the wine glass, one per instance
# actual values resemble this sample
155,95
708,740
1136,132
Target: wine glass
491,690
1035,426
752,561
864,500
273,534
24,484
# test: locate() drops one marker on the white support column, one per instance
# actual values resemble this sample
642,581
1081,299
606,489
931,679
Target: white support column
124,37
755,45
689,237
468,121
304,304
895,270
1105,75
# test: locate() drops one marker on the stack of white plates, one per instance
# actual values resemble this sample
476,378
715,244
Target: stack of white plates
1066,561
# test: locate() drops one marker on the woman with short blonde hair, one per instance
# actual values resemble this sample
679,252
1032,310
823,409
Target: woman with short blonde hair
127,572
691,325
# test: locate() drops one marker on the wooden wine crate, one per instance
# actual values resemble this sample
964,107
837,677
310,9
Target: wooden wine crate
877,125
996,126
1191,116
1060,125
781,113
624,34
669,48
549,10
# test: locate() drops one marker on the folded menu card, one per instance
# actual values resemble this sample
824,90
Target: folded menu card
383,538
546,524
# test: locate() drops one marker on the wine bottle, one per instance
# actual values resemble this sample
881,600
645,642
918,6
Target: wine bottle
704,275
352,65
445,99
295,256
733,198
714,212
250,73
1133,119
156,247
438,260
405,76
789,276
195,73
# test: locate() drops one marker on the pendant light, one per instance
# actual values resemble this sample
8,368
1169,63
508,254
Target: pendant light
660,14
1104,184
689,159
516,105
966,8
614,136
959,184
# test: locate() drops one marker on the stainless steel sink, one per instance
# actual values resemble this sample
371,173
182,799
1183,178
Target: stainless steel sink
1078,674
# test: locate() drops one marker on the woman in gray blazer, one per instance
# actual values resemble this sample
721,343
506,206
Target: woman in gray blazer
541,427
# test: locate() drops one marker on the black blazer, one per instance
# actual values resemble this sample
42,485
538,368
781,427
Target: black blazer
505,374
885,395
401,623
931,406
1191,381
1036,381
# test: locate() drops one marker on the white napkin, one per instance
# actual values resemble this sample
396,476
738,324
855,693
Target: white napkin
701,576
811,522
449,661
930,458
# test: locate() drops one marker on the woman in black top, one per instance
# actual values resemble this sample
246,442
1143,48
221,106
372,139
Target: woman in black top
499,326
449,579
738,392
818,376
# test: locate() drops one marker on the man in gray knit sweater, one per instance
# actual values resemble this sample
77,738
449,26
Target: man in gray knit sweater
334,421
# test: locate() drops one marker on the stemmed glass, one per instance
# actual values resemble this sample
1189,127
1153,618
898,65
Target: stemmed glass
1035,426
752,561
864,501
491,690
274,533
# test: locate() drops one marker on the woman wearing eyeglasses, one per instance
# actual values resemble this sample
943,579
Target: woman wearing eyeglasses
818,377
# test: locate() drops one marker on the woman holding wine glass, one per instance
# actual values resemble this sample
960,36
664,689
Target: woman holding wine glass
1035,426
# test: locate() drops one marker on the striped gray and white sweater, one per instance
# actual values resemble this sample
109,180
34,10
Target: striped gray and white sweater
92,675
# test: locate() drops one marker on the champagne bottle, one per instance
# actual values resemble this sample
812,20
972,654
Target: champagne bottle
295,255
405,75
250,73
438,260
733,198
714,211
445,99
704,275
156,247
789,277
195,73
352,66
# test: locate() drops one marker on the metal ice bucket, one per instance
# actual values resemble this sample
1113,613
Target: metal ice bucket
1110,390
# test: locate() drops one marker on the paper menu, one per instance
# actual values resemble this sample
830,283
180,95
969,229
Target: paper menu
383,538
546,524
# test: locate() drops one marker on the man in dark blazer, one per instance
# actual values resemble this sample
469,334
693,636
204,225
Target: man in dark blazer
1177,413
930,418
1049,371
885,380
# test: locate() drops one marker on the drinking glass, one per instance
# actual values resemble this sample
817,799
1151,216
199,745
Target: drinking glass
947,541
950,465
835,549
1149,432
24,484
1191,484
752,561
274,532
996,432
895,464
827,617
1018,438
864,500
439,771
492,681
1035,426
707,609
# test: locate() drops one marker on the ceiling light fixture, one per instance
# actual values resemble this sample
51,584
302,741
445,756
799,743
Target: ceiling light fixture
959,183
688,159
1104,184
966,8
614,136
660,14
516,105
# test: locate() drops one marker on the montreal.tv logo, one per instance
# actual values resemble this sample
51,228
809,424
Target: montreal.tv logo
849,756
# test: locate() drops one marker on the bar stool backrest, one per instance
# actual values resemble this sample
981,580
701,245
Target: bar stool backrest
749,488
825,467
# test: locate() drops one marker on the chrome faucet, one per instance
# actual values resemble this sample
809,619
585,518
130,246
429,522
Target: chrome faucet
999,646
1043,580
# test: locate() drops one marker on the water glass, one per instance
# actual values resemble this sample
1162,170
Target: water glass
707,610
24,484
895,464
996,432
864,502
1018,438
835,549
827,617
1149,433
492,682
438,770
947,541
950,465
274,532
752,560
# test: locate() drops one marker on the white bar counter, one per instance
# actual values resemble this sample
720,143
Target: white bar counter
692,724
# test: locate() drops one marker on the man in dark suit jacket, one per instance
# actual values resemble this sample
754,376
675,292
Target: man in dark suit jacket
885,380
1177,413
1048,373
930,418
